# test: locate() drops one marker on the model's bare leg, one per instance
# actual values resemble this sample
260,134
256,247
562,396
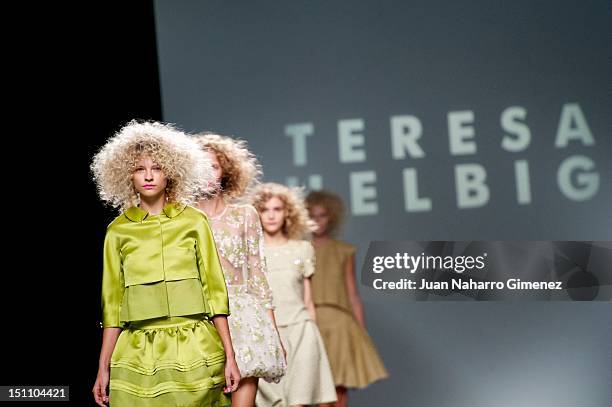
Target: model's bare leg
245,395
342,394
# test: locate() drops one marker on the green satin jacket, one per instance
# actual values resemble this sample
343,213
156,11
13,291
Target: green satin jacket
161,266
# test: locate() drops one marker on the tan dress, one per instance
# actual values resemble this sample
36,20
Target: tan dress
354,360
308,379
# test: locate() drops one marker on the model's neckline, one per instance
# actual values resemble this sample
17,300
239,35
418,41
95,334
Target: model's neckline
277,245
220,214
325,244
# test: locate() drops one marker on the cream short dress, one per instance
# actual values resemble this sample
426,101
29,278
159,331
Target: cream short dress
308,379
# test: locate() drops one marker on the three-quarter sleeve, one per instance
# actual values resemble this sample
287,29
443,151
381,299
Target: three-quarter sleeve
112,282
257,281
211,273
309,260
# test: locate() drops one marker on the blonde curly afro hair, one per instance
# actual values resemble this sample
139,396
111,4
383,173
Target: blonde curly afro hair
240,168
333,205
187,169
297,223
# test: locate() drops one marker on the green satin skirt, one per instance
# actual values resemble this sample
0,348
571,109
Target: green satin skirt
177,361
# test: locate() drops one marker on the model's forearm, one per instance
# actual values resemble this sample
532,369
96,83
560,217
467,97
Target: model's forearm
353,292
312,311
308,301
222,327
109,340
357,308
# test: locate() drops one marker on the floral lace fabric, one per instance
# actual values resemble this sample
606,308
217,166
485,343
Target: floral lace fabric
239,240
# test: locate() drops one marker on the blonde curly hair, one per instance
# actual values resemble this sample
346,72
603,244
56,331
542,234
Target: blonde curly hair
187,169
240,169
332,203
297,224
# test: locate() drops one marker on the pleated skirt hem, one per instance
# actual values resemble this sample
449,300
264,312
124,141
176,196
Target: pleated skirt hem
353,358
177,361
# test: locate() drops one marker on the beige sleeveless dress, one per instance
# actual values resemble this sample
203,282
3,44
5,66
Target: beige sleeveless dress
353,358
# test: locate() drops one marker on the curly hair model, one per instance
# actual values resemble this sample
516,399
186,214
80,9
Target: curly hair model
239,237
290,263
295,222
354,360
332,215
113,166
161,278
240,168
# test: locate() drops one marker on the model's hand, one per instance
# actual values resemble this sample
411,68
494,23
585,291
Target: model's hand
232,375
100,386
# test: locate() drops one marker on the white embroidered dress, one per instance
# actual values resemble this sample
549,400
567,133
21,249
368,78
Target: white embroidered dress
239,239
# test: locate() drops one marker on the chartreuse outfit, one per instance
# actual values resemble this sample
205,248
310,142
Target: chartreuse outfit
162,283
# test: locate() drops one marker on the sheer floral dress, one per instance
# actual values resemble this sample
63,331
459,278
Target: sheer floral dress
239,239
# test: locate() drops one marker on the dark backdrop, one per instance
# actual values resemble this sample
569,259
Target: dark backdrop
81,71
